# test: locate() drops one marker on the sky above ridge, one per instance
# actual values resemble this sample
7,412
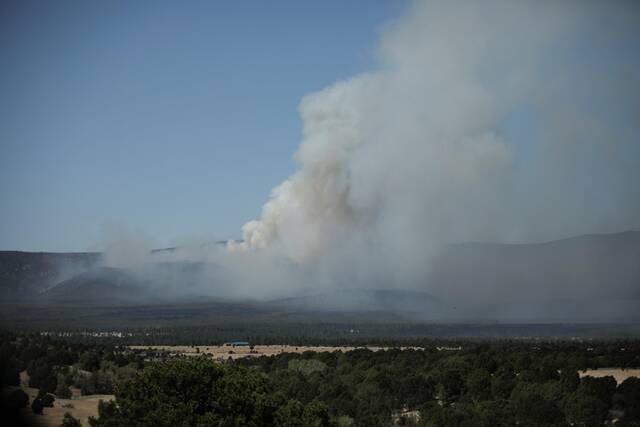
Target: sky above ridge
174,119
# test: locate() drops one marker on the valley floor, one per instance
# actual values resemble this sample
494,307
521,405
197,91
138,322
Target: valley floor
223,352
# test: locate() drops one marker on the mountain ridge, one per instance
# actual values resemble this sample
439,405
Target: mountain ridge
589,276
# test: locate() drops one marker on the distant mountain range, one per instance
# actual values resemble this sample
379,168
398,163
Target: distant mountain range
159,282
27,274
104,284
585,265
590,276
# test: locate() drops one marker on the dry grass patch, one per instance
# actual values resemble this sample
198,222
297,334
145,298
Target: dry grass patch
80,407
225,352
618,374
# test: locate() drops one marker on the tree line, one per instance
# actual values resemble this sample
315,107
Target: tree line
484,383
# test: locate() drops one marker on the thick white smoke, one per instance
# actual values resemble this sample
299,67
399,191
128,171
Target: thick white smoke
413,155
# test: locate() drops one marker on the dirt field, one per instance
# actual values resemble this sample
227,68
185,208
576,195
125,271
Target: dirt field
222,352
80,407
619,374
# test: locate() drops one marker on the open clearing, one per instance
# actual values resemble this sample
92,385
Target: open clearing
618,374
80,407
222,352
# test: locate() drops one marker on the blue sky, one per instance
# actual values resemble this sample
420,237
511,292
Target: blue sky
172,118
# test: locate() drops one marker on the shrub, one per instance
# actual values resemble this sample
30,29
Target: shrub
62,390
36,406
69,421
47,399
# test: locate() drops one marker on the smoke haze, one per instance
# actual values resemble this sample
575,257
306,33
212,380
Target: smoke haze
422,152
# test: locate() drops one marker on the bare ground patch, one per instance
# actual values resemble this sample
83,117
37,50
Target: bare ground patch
237,352
618,374
80,407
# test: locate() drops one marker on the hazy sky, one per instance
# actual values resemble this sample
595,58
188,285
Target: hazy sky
173,118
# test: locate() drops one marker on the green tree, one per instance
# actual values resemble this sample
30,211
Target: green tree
451,384
569,379
502,384
62,390
41,375
479,384
343,421
459,415
415,390
602,388
493,413
582,409
306,367
629,398
316,414
190,392
530,407
290,414
90,360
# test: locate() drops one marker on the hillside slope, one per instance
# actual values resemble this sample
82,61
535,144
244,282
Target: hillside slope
26,274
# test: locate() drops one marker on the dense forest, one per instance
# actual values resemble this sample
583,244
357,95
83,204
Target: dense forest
481,383
305,332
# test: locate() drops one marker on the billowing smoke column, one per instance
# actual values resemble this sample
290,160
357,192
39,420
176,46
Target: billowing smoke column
419,153
315,203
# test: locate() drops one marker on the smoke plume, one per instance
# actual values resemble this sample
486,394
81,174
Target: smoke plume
417,153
